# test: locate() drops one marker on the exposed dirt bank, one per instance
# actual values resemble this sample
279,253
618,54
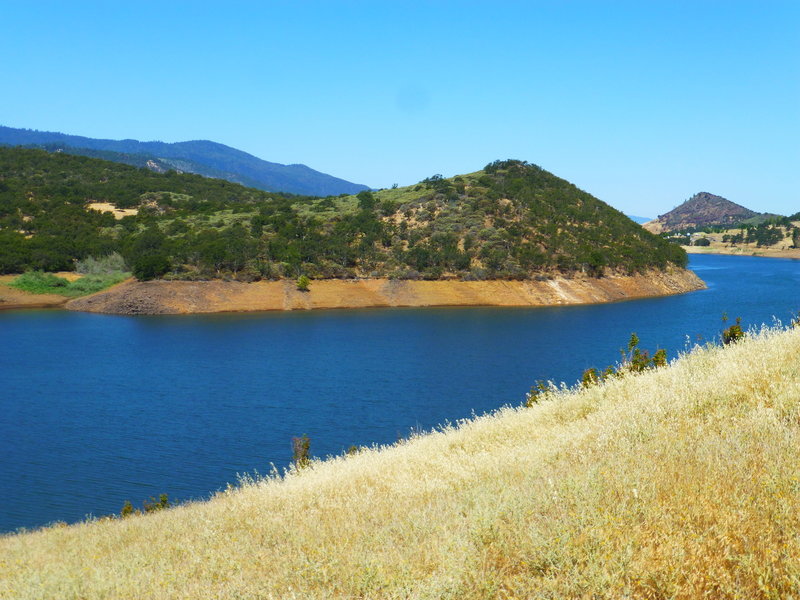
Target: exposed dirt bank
180,297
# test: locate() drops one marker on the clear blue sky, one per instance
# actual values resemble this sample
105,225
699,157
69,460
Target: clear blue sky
641,103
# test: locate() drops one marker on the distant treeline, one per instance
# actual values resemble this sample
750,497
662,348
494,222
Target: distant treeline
760,221
762,235
512,220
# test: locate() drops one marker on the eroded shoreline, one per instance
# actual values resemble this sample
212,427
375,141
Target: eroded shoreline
185,297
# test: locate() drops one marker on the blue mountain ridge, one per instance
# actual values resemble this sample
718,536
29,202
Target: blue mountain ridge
202,157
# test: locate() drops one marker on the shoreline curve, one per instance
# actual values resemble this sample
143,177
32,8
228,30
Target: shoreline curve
193,297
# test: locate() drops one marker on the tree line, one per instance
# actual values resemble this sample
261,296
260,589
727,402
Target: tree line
513,220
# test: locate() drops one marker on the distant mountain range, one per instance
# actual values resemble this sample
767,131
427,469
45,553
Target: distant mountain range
202,157
704,210
639,220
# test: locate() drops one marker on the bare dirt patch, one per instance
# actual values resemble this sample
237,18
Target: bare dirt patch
118,213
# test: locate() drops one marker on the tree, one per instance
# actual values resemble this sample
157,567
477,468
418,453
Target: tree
366,201
150,266
148,255
302,283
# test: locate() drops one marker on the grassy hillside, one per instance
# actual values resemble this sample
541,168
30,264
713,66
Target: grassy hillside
510,221
683,482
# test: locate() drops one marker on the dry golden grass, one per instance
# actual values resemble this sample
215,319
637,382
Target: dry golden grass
118,213
677,483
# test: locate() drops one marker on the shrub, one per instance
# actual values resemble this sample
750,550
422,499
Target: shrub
634,360
539,389
89,284
733,333
301,451
37,282
156,505
111,263
590,377
302,283
152,506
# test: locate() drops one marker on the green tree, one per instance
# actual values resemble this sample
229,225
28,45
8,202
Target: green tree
366,201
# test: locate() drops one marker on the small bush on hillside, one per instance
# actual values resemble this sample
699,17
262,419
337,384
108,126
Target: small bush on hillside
89,284
37,282
127,510
301,451
634,360
734,333
590,377
111,263
149,506
156,505
539,389
302,283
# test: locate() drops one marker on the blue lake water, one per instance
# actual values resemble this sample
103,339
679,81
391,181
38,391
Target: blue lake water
96,410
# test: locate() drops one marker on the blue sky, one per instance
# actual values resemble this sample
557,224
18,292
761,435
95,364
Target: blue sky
640,103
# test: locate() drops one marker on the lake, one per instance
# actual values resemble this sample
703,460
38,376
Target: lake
101,409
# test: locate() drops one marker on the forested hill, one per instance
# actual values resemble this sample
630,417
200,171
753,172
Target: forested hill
512,220
201,157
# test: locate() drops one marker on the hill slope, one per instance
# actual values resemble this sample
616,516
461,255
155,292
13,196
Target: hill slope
511,221
203,157
676,483
701,210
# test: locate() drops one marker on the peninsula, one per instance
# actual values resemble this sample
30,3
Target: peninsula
509,234
181,297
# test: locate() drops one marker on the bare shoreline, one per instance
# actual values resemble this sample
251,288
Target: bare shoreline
184,297
744,251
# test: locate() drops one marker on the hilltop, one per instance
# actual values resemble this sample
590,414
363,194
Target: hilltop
680,482
202,157
701,210
510,221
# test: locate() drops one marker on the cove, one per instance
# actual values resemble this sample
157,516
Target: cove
100,409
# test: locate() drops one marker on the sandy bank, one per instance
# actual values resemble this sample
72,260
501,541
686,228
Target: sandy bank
180,297
11,298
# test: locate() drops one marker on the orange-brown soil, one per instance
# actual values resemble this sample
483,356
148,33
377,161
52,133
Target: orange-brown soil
179,297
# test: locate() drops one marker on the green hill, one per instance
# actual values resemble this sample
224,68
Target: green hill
512,220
